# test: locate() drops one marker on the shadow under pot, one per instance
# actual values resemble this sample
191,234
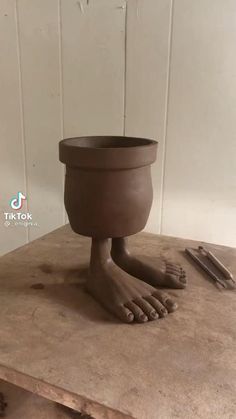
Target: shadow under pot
108,187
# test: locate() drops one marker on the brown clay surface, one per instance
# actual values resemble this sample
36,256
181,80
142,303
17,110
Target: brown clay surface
59,343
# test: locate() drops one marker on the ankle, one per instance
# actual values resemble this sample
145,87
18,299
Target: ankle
100,253
119,247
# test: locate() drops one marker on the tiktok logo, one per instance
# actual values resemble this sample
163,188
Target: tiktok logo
18,218
16,202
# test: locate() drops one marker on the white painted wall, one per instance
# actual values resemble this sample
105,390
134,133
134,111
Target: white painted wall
200,166
164,69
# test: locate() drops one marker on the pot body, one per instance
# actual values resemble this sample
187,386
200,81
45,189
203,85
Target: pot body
108,203
108,193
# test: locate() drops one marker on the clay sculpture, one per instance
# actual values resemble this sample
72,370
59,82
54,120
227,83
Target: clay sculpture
108,195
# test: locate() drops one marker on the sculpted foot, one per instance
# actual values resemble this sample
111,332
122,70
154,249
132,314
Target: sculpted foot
123,295
158,272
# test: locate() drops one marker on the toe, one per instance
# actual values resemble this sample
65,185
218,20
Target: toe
166,301
147,308
161,310
175,275
174,281
183,279
173,265
171,305
124,314
138,313
174,270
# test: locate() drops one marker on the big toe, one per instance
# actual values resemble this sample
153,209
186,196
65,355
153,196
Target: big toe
171,305
166,301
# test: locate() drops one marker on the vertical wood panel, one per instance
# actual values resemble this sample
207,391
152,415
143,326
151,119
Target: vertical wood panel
200,193
11,147
148,37
93,36
39,47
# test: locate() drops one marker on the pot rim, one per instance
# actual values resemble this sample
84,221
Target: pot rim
75,141
110,152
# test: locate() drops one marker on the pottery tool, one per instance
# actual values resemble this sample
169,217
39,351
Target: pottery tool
204,266
227,274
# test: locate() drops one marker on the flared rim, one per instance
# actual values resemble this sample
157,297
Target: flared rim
107,152
107,142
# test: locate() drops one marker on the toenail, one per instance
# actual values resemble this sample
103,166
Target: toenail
154,315
171,305
130,317
143,318
169,302
164,312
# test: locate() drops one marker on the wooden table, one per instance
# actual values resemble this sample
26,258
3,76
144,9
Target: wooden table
59,343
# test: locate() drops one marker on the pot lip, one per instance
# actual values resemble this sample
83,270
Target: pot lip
73,142
129,152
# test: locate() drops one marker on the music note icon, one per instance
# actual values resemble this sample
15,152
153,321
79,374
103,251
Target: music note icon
16,202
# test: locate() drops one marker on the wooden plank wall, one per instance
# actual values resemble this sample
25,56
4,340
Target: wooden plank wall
39,61
200,168
63,75
12,143
156,68
147,76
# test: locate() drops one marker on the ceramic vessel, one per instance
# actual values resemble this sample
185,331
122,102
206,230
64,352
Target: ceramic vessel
108,187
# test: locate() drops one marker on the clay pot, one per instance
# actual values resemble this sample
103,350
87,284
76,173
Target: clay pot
108,188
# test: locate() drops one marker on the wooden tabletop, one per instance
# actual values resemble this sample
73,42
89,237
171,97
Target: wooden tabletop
59,343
